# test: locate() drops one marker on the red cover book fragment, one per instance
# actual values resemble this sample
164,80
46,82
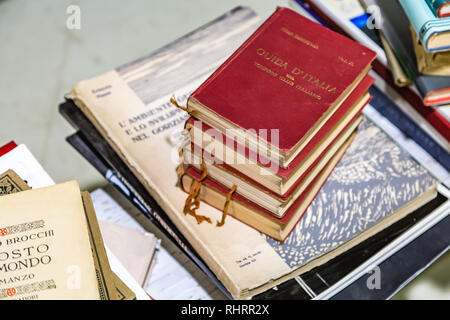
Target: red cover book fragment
286,77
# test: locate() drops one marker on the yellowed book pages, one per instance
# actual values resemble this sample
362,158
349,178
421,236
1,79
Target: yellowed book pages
106,285
45,251
10,182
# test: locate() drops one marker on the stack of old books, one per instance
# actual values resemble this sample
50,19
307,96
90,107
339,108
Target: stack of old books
291,80
270,124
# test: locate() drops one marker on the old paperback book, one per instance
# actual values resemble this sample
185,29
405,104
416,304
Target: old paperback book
38,258
139,122
109,285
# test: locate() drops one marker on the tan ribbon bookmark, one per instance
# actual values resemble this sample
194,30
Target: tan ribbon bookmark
193,200
225,207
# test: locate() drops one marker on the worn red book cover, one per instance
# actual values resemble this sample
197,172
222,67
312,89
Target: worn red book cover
287,76
7,148
317,139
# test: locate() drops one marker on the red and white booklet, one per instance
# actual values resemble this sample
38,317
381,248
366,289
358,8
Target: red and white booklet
7,148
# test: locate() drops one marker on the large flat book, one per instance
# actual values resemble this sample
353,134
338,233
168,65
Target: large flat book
130,107
282,85
46,251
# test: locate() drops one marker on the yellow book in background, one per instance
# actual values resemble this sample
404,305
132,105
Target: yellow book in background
431,63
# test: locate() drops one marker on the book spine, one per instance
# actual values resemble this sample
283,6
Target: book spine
389,109
420,15
7,148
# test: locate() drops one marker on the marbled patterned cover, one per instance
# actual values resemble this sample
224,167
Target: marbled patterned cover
374,179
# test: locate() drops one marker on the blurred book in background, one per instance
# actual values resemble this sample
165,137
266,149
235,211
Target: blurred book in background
427,127
234,251
37,190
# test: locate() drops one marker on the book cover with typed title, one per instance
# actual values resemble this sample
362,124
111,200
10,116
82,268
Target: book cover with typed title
289,75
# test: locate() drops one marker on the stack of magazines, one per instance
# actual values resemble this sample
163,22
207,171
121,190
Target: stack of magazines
129,128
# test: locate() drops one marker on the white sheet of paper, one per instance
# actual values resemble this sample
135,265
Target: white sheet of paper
174,276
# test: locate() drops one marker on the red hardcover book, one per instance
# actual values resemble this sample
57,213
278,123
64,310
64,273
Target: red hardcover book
7,148
290,76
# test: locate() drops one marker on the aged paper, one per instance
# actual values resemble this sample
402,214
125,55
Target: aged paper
106,282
